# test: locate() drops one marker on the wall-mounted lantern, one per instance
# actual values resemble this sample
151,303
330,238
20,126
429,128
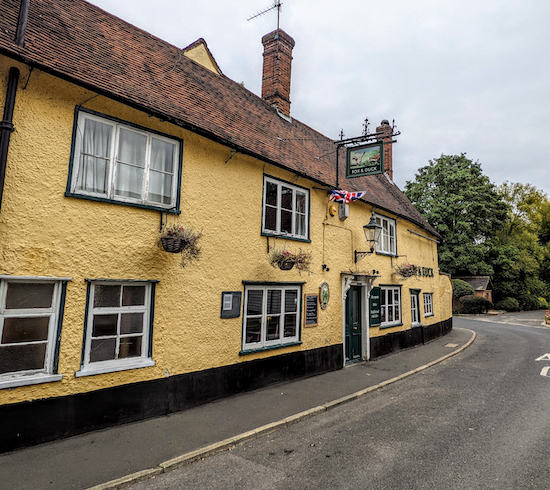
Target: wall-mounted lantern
372,234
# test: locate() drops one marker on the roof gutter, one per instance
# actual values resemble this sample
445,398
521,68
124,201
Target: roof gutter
6,125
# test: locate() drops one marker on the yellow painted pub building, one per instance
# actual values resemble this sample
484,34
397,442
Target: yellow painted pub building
111,138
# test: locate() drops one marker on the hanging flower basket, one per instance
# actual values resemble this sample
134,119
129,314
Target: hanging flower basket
285,260
407,270
286,266
176,239
171,244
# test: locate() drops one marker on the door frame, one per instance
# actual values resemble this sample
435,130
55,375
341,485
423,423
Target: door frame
365,282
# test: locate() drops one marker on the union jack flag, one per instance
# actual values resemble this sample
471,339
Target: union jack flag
345,196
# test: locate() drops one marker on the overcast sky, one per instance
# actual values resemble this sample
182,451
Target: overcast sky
458,76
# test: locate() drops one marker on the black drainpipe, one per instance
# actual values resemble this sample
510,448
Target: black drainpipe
6,125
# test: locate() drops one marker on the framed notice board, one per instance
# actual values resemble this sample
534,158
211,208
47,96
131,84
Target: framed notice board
374,308
311,302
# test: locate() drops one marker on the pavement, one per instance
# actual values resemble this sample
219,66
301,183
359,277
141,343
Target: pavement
115,457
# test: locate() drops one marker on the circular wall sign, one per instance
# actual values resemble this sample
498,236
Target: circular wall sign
324,295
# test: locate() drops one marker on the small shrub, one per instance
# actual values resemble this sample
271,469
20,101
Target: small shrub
543,304
529,302
475,304
462,288
507,304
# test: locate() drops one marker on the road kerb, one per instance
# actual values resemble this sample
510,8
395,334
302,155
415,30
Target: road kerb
128,479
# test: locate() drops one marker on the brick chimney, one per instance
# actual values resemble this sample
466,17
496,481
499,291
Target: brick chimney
387,137
276,72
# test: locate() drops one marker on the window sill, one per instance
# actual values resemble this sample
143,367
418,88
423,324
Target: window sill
26,380
428,316
244,352
389,254
123,203
92,370
286,237
391,325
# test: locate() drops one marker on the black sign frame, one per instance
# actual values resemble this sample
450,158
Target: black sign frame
365,160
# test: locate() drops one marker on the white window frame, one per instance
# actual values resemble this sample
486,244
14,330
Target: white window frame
282,340
389,293
415,308
428,304
110,195
295,189
387,241
48,373
112,365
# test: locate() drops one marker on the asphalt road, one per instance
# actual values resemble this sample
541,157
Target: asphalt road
479,420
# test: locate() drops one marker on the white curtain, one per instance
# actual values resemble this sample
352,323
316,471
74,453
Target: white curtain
130,164
162,171
94,158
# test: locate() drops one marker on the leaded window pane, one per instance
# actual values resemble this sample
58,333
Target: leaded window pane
106,296
271,218
103,350
254,302
286,221
133,295
15,358
21,295
129,347
273,302
131,323
273,323
105,325
286,198
253,330
290,325
30,329
291,301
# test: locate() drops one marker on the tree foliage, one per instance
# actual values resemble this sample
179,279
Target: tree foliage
462,204
520,250
503,231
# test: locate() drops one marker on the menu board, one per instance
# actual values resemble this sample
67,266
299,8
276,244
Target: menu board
311,309
374,310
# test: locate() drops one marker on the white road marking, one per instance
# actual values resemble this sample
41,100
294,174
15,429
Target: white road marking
544,371
545,357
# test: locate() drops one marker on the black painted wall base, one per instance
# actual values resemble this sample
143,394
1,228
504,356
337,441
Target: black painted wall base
29,423
394,342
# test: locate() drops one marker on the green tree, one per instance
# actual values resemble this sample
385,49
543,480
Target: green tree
518,254
462,204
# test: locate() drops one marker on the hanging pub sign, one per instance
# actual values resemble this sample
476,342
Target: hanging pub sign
365,160
374,308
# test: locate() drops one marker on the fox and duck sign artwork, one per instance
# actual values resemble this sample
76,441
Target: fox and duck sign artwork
365,160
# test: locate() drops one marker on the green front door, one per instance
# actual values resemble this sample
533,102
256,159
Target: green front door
353,325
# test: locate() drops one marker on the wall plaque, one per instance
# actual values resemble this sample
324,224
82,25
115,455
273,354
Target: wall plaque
324,294
311,310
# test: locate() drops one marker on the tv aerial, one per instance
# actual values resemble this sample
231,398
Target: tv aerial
276,5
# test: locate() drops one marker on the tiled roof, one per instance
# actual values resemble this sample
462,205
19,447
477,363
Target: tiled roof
479,283
81,43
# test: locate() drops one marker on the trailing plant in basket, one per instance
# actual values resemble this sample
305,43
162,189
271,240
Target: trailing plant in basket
285,260
407,270
185,241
